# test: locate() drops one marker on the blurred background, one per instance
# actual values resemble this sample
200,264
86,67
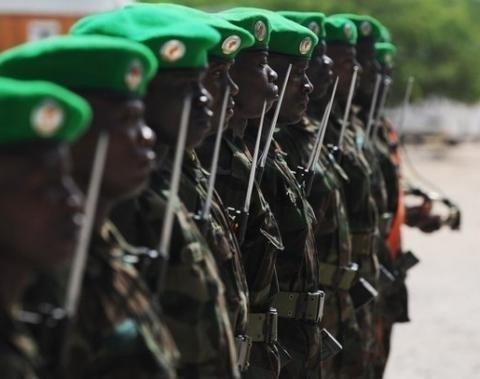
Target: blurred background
439,45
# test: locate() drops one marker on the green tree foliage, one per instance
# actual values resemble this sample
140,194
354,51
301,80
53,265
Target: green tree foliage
438,40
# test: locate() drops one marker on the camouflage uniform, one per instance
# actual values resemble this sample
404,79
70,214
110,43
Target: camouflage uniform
193,298
337,275
221,240
297,265
259,250
116,332
393,305
363,215
19,356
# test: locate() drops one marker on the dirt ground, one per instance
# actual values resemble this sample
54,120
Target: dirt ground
443,339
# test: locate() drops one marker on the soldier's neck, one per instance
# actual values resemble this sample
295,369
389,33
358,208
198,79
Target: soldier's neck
238,126
317,108
13,280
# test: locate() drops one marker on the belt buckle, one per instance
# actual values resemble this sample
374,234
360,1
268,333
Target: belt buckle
315,305
244,345
349,277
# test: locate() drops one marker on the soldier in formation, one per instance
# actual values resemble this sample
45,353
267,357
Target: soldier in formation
203,195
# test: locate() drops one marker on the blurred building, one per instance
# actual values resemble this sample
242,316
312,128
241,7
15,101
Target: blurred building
30,20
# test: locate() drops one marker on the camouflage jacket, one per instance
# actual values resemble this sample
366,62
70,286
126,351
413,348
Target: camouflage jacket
262,239
193,298
19,356
220,237
326,196
361,208
297,264
117,332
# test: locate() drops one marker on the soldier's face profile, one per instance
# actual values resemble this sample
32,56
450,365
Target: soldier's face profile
164,104
370,68
320,71
257,83
40,206
298,88
216,81
344,60
130,156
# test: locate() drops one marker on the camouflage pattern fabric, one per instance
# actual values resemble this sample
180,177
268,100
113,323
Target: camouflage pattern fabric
193,298
117,332
332,233
260,247
19,356
221,239
363,221
297,264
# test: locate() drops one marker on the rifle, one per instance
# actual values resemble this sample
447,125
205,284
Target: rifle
371,113
264,156
205,213
315,155
346,114
167,227
251,179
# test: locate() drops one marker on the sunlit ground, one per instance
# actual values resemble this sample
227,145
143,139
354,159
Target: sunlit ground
443,339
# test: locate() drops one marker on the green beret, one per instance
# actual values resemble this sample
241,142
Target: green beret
36,110
385,53
175,40
385,35
311,20
340,30
252,21
288,37
83,63
233,38
367,26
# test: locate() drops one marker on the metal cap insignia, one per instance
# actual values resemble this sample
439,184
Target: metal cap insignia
231,44
172,50
314,27
134,76
47,118
305,45
388,59
366,28
260,30
348,31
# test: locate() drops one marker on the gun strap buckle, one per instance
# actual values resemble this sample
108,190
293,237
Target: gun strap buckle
362,244
244,346
262,327
338,277
307,306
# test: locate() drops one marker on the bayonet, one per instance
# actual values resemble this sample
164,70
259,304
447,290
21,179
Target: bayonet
205,213
264,156
315,155
167,227
383,100
251,179
346,114
74,285
373,106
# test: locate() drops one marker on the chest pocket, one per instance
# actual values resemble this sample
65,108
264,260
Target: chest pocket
241,167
